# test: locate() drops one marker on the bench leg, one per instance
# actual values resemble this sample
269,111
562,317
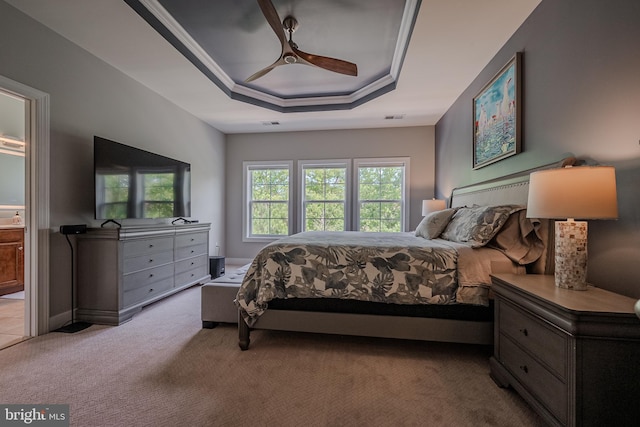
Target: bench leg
243,333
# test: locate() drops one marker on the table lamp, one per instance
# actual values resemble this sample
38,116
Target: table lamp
432,205
584,192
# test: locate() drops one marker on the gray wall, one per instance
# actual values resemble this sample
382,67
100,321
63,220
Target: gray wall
581,75
414,142
89,97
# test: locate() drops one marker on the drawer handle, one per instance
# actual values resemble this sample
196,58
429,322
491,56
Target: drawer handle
151,290
524,332
193,239
192,251
192,263
151,275
150,260
150,246
524,369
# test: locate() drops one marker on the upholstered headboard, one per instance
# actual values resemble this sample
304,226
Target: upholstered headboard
512,189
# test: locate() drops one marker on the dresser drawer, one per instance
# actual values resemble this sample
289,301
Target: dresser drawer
191,239
548,345
191,251
147,277
191,275
191,263
147,246
145,293
546,387
133,264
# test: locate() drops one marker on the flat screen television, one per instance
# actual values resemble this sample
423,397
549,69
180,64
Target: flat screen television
134,183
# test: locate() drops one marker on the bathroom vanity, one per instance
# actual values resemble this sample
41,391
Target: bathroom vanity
11,260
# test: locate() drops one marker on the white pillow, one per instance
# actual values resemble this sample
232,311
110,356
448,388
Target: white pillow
434,223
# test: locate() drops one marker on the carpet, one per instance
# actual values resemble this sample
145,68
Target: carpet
162,369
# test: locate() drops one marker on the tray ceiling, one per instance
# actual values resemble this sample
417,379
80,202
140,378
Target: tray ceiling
229,40
451,43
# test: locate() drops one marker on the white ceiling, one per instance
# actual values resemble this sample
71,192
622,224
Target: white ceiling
453,40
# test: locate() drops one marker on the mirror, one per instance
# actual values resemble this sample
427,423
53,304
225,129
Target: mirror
12,176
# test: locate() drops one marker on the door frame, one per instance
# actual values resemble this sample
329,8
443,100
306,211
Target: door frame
37,219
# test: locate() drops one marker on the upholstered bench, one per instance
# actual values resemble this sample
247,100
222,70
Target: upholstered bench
217,298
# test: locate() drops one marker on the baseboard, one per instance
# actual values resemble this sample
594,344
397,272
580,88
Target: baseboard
59,320
238,261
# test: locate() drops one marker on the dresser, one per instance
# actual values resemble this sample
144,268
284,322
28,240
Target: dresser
11,260
574,356
120,270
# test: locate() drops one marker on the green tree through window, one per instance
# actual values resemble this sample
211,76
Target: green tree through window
324,198
269,202
380,198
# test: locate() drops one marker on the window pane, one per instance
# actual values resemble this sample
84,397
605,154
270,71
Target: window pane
334,210
269,201
324,198
380,194
334,225
279,210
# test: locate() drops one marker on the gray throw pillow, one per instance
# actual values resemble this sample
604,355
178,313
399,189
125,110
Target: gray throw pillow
477,225
432,225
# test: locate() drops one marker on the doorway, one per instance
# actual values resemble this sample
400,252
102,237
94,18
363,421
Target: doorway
24,128
13,140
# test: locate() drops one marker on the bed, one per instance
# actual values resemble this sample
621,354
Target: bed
431,284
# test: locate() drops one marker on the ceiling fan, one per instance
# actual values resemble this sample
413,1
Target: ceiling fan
290,52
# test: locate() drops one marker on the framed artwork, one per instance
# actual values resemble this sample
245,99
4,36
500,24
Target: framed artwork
497,116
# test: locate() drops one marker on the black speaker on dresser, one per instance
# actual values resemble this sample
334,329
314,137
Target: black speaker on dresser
216,266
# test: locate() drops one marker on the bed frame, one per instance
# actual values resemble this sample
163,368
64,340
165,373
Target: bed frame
508,190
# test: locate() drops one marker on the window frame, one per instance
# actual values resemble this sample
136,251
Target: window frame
330,163
382,162
247,167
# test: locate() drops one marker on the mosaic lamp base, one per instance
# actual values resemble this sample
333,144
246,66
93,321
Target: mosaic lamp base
571,255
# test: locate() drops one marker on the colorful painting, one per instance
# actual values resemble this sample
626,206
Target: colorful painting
496,116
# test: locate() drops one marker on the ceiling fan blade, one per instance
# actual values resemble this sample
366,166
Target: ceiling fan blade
331,64
271,14
265,70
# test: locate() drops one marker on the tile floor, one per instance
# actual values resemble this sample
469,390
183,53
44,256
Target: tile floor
11,321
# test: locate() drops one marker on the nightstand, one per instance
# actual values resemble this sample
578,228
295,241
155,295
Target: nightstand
574,356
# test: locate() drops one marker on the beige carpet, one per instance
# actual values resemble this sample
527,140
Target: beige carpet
162,369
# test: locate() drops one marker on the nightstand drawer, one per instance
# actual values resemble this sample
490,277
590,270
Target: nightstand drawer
549,346
546,387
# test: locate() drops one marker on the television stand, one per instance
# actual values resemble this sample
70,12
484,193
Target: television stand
121,270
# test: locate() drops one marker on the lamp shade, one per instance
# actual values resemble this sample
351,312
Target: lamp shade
583,192
432,205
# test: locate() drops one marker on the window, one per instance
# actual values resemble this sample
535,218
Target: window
324,195
267,195
381,188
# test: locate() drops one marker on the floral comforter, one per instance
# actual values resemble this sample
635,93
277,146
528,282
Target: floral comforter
397,268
